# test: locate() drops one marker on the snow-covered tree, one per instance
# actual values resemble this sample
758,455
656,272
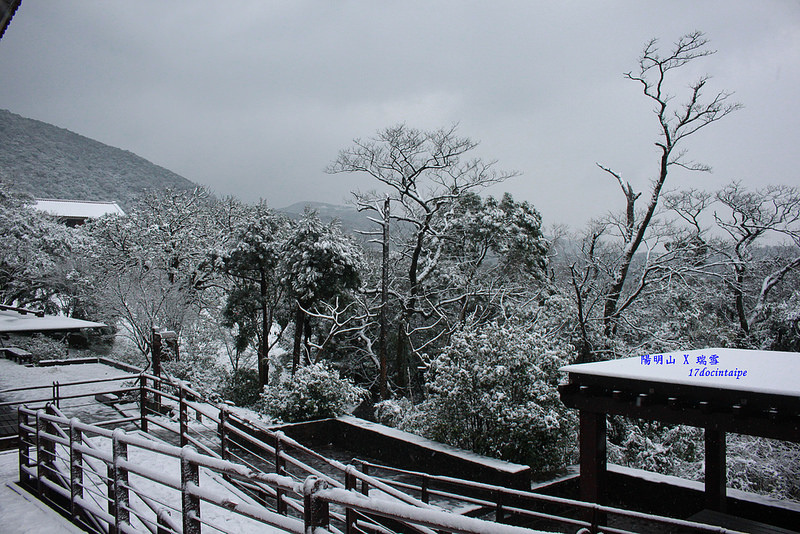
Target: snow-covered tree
751,252
152,264
426,203
256,289
493,390
318,263
636,234
42,261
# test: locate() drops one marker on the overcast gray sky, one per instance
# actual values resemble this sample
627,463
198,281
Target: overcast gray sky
255,98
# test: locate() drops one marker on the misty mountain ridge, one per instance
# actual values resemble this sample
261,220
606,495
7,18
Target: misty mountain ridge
349,217
46,161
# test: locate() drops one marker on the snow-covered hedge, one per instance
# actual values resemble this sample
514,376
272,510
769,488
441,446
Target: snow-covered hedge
315,392
493,390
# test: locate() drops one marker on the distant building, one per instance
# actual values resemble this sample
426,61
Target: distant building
76,212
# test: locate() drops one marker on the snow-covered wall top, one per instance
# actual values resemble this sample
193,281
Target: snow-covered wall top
758,371
407,437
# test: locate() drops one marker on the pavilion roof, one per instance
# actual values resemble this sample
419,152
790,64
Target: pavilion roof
13,321
756,371
83,209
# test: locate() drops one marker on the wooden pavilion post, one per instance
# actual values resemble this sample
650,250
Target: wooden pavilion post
593,456
715,470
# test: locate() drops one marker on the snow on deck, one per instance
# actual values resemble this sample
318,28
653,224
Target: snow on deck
158,491
20,512
13,376
757,371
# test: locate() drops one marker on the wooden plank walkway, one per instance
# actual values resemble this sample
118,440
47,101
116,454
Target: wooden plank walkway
711,517
21,512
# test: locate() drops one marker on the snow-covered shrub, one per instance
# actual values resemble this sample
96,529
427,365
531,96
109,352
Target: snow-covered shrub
493,390
42,347
397,413
241,387
315,392
766,466
653,446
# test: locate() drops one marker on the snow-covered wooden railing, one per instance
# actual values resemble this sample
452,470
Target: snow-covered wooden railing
521,503
220,432
80,393
67,465
165,405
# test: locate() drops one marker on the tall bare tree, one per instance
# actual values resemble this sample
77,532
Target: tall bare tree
677,121
422,174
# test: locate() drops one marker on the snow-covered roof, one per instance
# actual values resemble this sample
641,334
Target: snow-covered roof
79,209
7,10
757,371
12,321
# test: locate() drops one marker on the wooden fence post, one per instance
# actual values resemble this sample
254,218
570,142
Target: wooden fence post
190,474
183,416
350,484
75,467
155,351
111,507
39,452
143,402
121,497
364,484
498,511
223,432
315,510
24,438
280,469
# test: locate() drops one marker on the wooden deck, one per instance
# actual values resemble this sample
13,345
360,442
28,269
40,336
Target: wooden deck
712,517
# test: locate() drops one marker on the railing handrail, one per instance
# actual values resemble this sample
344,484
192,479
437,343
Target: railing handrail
313,493
530,495
71,383
232,423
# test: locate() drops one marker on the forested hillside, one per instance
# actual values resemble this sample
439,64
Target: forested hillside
50,162
453,316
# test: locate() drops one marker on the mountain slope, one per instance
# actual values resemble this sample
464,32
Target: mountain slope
350,219
46,161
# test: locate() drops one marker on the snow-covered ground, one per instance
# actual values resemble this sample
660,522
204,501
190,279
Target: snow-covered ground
13,375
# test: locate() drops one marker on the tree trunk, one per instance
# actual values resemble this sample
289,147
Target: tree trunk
263,350
634,239
299,322
384,389
738,294
400,359
307,343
